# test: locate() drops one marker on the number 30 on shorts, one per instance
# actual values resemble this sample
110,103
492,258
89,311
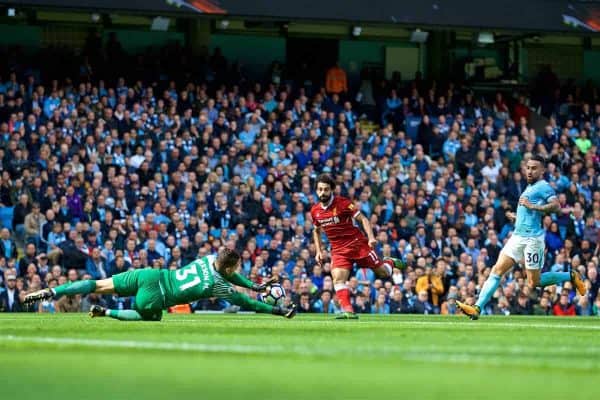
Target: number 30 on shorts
532,258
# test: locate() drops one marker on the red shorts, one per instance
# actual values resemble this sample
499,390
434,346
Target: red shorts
359,253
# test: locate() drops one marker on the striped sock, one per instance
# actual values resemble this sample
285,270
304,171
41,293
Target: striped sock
389,267
343,294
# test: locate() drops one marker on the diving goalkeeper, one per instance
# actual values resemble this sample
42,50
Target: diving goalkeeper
155,290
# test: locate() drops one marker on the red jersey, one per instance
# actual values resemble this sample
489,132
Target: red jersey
337,221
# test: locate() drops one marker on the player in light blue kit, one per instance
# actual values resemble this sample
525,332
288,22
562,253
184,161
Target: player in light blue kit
527,241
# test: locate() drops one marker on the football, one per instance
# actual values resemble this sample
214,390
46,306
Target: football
274,296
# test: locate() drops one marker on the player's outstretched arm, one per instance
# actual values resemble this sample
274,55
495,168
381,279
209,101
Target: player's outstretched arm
240,299
241,280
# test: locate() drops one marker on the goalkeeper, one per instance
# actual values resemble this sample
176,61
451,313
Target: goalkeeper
155,290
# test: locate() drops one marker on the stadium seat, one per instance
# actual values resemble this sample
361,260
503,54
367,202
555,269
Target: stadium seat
6,217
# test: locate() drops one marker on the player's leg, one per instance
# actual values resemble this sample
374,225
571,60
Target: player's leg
84,287
122,315
103,286
510,255
534,262
502,266
504,263
340,274
553,278
149,300
383,268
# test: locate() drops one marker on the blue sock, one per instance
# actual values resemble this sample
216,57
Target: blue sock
488,289
552,278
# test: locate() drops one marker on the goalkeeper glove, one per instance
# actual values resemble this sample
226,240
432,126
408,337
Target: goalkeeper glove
287,312
266,285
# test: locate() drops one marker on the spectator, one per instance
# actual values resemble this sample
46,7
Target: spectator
422,305
304,304
431,284
75,251
395,306
68,304
563,307
465,158
33,224
8,248
596,307
449,306
324,305
365,277
96,266
500,107
380,306
336,80
523,306
362,304
521,110
90,300
554,241
30,257
594,280
55,237
583,306
10,298
543,307
21,210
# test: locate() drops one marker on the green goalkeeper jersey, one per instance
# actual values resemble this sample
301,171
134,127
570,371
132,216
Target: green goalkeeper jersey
198,280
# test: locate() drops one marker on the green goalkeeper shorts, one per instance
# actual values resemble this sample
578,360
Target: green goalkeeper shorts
144,284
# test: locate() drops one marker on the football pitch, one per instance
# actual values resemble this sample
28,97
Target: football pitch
70,356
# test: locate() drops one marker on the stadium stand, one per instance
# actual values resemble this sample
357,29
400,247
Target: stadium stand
108,165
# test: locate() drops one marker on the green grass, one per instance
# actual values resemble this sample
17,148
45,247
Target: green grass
311,357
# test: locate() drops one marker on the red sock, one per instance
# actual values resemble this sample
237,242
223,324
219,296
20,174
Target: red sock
343,296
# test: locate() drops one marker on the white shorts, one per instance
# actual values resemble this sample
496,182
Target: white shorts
530,249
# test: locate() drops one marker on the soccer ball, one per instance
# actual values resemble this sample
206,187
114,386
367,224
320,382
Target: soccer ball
274,296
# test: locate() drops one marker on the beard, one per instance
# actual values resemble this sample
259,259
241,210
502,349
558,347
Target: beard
325,199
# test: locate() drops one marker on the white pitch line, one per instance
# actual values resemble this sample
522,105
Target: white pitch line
149,345
416,353
387,322
440,324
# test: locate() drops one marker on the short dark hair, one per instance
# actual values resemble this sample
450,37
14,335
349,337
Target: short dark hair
326,179
226,259
539,158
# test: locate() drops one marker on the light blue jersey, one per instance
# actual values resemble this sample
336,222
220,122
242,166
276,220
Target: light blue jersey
529,222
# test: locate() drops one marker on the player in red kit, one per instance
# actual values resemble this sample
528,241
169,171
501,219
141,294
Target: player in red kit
335,216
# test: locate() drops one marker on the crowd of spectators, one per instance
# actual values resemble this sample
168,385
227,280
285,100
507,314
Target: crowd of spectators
101,176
